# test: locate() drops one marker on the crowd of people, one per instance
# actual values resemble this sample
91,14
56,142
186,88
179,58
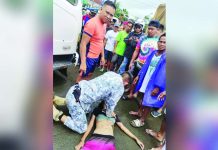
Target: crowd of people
134,66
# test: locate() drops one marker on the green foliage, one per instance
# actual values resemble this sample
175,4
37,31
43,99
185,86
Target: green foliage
146,18
120,11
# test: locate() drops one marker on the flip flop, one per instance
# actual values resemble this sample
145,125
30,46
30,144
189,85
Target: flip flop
137,123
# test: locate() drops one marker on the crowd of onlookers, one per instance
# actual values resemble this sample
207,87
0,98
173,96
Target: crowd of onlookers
127,54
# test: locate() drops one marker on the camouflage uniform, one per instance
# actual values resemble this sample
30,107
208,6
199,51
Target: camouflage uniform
108,87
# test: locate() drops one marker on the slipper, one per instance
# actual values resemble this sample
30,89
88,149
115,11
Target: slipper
137,123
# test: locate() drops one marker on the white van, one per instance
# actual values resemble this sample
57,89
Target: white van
67,23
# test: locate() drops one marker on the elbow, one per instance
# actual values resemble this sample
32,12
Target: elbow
82,129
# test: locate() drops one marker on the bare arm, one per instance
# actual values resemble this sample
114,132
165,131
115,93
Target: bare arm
135,54
115,45
85,40
125,130
82,141
102,57
105,41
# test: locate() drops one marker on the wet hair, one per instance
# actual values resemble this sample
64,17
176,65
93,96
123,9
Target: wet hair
109,3
127,76
154,23
101,105
162,35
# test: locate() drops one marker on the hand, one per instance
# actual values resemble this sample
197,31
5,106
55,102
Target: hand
82,68
130,65
140,144
137,40
136,80
130,38
102,61
79,146
161,96
155,91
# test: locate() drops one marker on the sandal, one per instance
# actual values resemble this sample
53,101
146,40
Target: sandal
137,123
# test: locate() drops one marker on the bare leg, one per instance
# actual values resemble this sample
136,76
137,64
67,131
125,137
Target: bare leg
109,65
145,111
79,78
158,135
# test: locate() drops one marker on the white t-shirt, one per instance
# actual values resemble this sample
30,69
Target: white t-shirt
154,61
111,38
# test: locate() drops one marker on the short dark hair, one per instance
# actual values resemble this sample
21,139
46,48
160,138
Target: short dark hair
164,34
109,3
154,23
131,23
161,27
128,76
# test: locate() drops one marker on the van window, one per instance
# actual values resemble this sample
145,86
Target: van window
73,2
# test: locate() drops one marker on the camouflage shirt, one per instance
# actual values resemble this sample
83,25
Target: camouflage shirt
108,87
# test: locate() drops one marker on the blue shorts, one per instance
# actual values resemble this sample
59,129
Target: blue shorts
90,65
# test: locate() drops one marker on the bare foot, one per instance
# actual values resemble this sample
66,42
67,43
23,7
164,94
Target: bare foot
134,113
135,95
156,135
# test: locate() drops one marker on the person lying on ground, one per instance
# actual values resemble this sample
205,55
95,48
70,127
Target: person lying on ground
103,135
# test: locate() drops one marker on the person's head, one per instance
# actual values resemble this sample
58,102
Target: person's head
129,26
162,42
107,11
124,24
92,13
87,12
153,27
120,28
138,27
101,106
127,78
160,29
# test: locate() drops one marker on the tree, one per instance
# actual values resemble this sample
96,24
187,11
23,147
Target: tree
120,12
146,18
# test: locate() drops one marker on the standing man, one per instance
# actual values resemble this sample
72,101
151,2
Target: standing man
92,44
110,39
146,45
131,40
120,46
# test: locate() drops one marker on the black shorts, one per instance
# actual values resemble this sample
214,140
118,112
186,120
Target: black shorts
108,55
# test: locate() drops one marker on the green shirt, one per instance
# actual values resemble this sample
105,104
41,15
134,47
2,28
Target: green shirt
121,45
